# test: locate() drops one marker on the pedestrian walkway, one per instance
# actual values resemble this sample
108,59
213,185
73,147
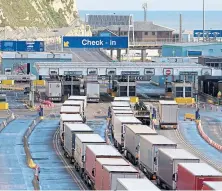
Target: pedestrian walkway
14,172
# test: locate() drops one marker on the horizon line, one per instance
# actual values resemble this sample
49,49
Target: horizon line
142,10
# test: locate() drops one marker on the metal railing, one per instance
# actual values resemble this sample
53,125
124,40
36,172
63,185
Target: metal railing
162,41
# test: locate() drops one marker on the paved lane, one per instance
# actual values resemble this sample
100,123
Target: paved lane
191,135
211,122
14,173
54,175
99,126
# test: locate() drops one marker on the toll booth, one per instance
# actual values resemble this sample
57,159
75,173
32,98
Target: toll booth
71,86
182,89
120,87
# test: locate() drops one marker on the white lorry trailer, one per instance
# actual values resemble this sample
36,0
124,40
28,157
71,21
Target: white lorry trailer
68,118
74,103
93,91
135,184
70,110
122,99
168,111
149,145
132,140
79,98
119,104
168,160
119,129
54,90
82,140
70,136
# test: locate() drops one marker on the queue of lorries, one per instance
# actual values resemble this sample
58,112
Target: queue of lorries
104,168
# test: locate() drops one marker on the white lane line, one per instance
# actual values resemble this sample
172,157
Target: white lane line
77,56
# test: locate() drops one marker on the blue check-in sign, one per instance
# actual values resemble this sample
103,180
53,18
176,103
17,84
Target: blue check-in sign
95,42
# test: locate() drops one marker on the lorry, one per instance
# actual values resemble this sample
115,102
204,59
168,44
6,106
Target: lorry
79,98
70,136
168,112
119,129
212,185
54,90
135,184
121,108
68,118
121,113
111,173
167,161
101,162
92,153
119,104
149,145
92,91
70,110
132,140
192,175
74,103
122,99
81,141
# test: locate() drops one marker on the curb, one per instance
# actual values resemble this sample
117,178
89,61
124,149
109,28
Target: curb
206,138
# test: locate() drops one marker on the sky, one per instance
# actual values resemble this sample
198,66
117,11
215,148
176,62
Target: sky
162,5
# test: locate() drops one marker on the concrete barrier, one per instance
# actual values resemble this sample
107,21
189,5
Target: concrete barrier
29,159
8,82
185,101
206,138
11,87
134,99
39,83
3,106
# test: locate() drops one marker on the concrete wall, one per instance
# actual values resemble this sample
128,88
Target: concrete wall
10,62
181,51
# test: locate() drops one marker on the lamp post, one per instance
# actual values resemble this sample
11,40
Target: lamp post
203,19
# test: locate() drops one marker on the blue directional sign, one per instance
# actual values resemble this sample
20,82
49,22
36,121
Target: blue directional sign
8,45
22,46
30,46
95,42
194,53
208,33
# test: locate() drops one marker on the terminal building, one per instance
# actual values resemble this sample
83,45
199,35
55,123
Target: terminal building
143,31
192,50
17,63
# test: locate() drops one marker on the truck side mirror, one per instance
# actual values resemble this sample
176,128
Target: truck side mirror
93,172
83,158
175,177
